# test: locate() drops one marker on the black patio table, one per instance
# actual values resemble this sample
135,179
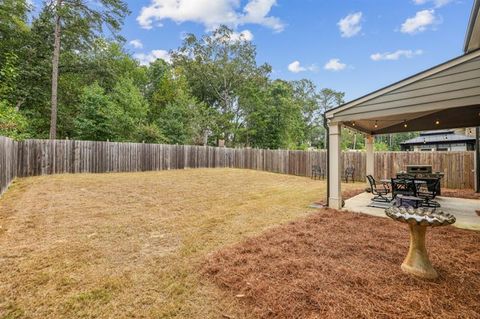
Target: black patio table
416,181
419,181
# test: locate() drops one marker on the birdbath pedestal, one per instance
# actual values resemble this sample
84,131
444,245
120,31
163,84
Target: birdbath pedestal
418,219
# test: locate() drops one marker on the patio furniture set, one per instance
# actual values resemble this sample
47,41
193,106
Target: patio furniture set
407,189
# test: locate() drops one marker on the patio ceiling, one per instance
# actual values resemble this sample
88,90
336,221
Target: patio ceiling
446,96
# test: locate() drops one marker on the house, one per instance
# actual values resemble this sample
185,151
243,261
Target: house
443,140
446,96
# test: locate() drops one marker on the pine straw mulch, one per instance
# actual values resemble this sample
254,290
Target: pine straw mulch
344,265
460,193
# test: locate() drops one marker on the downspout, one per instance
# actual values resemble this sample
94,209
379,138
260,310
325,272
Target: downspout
477,159
327,142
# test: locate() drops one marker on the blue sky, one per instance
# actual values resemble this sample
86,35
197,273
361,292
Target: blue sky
355,46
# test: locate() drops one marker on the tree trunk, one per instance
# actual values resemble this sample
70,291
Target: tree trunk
55,62
19,104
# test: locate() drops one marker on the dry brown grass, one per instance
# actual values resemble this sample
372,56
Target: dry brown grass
345,265
130,245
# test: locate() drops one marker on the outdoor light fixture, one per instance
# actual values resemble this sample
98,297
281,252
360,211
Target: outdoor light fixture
405,124
437,122
353,123
376,124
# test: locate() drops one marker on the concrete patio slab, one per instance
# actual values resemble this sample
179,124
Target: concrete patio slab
463,209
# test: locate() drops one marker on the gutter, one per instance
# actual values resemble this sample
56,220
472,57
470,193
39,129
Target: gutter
471,24
327,146
477,159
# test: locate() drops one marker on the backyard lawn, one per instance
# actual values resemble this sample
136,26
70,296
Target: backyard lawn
216,243
134,244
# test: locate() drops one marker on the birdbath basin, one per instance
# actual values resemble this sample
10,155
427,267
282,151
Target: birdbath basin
418,219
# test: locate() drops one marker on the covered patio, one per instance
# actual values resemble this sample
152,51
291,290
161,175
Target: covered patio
463,209
446,96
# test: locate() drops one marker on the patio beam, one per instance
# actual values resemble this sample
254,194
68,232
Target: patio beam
334,167
477,159
369,143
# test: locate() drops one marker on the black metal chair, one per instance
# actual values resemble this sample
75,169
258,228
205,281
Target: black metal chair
350,174
401,186
317,171
380,193
429,192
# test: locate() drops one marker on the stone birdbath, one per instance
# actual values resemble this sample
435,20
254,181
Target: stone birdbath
418,219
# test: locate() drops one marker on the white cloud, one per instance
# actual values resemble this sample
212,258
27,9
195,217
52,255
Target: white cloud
246,35
419,22
395,55
210,13
256,12
147,58
350,25
436,3
334,65
137,44
296,67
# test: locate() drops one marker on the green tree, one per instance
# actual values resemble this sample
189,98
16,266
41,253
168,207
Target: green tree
95,110
217,67
86,20
180,116
274,117
12,123
380,146
128,111
14,33
352,140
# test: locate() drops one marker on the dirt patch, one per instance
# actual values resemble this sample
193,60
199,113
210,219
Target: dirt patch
460,193
344,265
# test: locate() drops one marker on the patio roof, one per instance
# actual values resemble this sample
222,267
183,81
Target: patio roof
439,137
445,96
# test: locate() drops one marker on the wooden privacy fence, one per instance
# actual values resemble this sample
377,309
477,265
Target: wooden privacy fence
43,157
459,167
8,162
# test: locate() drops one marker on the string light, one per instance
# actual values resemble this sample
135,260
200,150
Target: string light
353,123
405,123
376,124
437,122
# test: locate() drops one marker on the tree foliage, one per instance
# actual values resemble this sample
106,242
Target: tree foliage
212,89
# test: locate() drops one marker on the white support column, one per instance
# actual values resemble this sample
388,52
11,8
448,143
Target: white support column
370,155
335,176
